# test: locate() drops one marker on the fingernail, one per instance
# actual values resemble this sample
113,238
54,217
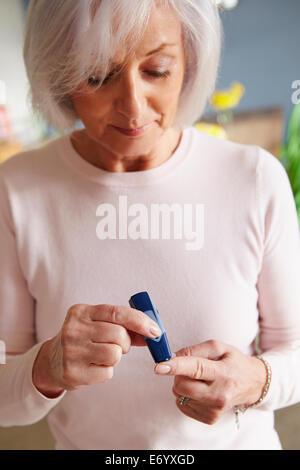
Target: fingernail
155,331
173,355
162,369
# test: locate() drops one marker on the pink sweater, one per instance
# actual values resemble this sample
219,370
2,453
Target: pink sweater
237,272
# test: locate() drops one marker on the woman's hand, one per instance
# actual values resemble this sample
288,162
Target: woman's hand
216,377
89,345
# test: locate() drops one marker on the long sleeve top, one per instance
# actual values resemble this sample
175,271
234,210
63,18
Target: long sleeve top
211,233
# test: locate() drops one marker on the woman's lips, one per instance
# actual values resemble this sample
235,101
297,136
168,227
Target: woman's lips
133,132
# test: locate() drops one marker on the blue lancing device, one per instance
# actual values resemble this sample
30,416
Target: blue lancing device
159,347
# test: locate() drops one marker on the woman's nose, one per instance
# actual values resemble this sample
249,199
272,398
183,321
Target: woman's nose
130,100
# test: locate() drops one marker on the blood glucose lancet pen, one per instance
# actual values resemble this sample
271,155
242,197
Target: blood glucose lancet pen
159,347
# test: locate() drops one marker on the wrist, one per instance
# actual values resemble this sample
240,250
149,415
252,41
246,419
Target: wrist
263,375
263,390
42,373
260,378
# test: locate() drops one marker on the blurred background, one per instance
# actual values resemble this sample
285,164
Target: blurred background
257,101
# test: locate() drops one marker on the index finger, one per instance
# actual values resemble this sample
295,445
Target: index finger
131,318
189,366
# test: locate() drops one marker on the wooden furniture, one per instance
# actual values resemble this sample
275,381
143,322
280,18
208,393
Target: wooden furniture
259,127
8,149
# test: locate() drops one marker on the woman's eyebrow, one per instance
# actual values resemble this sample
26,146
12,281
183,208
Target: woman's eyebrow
116,65
162,46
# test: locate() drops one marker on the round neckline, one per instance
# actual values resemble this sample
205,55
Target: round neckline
127,178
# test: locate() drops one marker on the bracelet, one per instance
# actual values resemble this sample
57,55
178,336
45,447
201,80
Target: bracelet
243,408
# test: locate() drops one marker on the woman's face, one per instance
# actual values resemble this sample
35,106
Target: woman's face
144,93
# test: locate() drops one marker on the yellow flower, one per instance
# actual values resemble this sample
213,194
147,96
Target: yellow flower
227,99
212,129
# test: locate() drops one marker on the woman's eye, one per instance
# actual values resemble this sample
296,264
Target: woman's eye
94,81
108,77
156,74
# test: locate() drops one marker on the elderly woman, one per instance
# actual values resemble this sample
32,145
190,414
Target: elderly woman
80,235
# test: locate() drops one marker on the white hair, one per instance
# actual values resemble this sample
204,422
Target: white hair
67,40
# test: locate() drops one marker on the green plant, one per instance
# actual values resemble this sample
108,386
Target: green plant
290,155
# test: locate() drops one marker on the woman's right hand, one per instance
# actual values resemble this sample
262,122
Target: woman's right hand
90,344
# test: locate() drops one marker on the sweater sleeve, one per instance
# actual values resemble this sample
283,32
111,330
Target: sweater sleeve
20,402
278,282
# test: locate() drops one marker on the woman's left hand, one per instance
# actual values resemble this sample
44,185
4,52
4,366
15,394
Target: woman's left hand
216,377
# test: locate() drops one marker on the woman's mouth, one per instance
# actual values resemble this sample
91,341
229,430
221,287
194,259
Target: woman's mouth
132,132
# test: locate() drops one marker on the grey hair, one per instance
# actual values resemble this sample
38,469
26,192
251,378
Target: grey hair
66,41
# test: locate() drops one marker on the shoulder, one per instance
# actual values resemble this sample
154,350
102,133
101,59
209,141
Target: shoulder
220,148
33,164
250,167
270,169
274,189
242,156
226,156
